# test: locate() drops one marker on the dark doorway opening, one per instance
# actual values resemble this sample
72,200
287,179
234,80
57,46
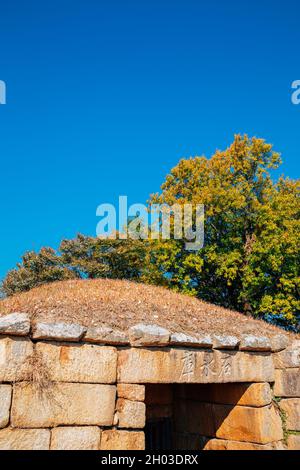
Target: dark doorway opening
159,430
187,416
159,434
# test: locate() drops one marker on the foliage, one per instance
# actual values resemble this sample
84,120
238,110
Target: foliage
91,257
34,270
83,257
250,259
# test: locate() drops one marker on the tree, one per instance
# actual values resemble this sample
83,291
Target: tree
250,259
91,257
81,258
34,270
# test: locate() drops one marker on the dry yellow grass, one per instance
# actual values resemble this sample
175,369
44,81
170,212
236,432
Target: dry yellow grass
122,304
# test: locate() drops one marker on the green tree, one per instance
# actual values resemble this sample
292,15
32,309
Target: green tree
36,269
92,257
250,259
81,258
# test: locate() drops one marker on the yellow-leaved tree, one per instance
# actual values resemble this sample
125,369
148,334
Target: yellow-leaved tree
250,260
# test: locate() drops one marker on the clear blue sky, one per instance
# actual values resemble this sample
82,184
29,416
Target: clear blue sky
104,97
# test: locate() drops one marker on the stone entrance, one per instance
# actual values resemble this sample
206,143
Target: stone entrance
209,416
159,429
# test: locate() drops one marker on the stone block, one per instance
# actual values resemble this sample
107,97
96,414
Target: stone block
148,335
179,365
288,358
5,401
122,440
221,444
293,442
225,342
246,424
291,407
75,438
279,342
131,414
16,324
58,331
287,383
255,343
106,335
24,439
195,341
256,394
244,394
14,353
132,392
79,362
63,404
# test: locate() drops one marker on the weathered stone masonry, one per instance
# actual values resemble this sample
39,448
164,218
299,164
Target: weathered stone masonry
67,387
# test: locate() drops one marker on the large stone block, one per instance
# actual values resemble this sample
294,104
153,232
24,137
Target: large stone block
291,407
242,423
255,343
63,404
225,342
79,362
131,414
180,365
221,444
24,439
15,324
58,331
106,335
122,440
148,335
199,341
288,358
256,394
279,342
14,353
293,442
75,438
244,394
131,392
5,401
287,383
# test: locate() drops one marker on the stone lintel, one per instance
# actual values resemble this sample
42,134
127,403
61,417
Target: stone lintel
180,365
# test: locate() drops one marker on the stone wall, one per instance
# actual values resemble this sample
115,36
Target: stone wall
287,392
68,387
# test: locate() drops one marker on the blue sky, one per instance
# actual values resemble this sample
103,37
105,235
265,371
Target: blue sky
104,98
